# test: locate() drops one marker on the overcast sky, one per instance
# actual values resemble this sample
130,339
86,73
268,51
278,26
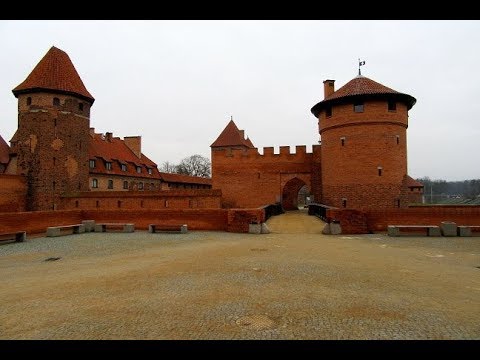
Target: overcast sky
176,83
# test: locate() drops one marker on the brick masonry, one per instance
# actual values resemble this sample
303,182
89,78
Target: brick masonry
376,220
13,192
249,179
232,220
51,145
166,199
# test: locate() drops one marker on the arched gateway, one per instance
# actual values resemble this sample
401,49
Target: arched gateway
290,193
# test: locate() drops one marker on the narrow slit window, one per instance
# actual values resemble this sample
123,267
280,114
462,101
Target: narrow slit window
397,202
344,203
56,101
110,184
125,185
29,100
398,139
119,204
328,112
97,204
342,139
392,105
76,203
380,171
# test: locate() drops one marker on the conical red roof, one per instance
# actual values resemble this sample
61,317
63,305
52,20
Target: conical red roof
55,72
363,86
231,136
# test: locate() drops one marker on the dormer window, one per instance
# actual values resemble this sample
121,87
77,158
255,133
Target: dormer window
92,164
108,165
139,169
150,171
124,167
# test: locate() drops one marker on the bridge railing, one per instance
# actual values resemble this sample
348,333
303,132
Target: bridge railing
319,210
272,210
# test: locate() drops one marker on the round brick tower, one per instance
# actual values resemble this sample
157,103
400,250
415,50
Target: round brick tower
363,127
50,146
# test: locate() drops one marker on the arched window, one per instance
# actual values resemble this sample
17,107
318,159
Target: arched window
94,183
110,184
29,100
125,185
140,186
56,101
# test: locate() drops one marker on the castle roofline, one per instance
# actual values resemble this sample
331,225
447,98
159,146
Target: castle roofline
232,136
364,88
55,73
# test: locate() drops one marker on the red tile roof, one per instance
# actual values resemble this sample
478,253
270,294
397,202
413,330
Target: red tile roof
411,182
231,136
55,72
117,152
186,179
362,86
4,151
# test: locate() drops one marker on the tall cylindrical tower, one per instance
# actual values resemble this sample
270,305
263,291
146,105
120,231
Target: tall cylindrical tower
50,146
363,144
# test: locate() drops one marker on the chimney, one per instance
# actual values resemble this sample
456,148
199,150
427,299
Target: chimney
134,143
328,88
242,134
108,136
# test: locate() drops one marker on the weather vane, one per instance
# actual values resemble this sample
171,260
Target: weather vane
360,63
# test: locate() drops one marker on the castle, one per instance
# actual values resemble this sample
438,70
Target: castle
361,162
357,173
57,151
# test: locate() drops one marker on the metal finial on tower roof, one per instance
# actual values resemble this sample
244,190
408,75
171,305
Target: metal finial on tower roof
231,117
360,63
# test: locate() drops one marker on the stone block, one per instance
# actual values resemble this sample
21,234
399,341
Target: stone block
448,228
254,228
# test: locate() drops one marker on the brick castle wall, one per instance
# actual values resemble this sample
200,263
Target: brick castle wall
249,180
13,192
232,220
165,199
376,220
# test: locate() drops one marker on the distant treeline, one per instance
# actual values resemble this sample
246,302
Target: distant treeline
467,189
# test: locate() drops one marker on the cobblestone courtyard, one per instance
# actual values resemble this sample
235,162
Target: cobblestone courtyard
294,283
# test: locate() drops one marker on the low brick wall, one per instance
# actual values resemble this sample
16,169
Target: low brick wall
232,220
36,222
196,219
368,220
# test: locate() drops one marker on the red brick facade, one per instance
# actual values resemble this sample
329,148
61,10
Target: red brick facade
376,220
249,179
361,162
13,193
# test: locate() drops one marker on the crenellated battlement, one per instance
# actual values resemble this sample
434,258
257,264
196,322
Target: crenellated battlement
268,153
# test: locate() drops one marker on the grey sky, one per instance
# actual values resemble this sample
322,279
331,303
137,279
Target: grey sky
177,83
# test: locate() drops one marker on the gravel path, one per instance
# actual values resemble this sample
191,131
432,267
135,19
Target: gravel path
294,283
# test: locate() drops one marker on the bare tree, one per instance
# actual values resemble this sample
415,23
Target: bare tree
195,165
168,167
